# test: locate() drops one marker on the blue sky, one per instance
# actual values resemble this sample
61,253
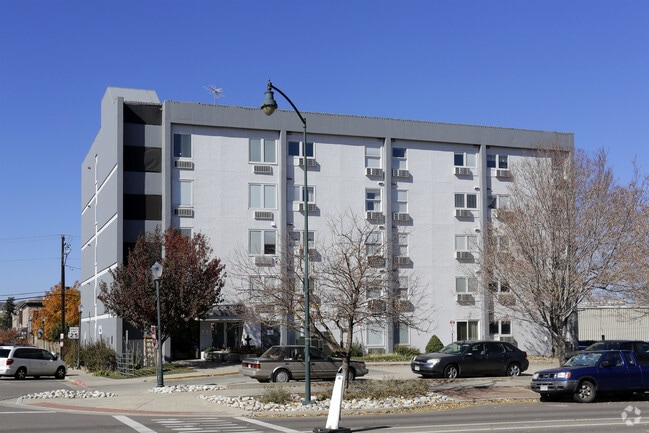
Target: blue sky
570,66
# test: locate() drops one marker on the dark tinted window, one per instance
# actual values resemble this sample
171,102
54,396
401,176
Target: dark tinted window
28,353
629,358
4,353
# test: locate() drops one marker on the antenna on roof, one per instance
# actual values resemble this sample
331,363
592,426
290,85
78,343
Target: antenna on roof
217,92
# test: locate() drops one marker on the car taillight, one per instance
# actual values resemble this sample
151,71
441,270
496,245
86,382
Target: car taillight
10,361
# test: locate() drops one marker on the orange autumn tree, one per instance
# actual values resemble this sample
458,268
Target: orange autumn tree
52,311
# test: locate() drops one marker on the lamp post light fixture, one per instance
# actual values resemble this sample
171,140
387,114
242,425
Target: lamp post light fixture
156,272
269,106
79,339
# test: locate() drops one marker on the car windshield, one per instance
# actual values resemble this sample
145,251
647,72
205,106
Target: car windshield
602,345
583,360
454,348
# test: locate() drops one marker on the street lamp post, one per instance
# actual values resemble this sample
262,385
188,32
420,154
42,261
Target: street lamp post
156,271
43,329
269,106
79,340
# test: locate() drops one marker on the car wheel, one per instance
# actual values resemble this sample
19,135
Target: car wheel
351,375
585,392
21,374
60,373
281,376
451,371
513,369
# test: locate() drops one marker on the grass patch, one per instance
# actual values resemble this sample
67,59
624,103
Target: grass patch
380,389
169,368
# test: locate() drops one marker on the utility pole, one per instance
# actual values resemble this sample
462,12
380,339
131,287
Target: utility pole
65,250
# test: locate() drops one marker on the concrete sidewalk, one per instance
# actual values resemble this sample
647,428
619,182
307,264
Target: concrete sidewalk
137,396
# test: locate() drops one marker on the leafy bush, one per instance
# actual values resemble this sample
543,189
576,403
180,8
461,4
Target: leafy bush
276,394
357,349
406,351
434,344
98,357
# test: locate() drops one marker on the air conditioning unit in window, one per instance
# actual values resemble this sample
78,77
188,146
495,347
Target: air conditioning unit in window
463,255
184,165
400,173
376,261
264,260
465,298
463,213
403,261
373,171
374,216
463,171
310,162
184,212
263,215
398,216
311,206
503,173
263,169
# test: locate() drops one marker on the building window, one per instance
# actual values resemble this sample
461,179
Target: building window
466,243
466,284
464,159
375,336
262,242
374,243
262,196
182,146
262,150
467,329
499,287
181,193
500,327
497,161
373,200
402,246
400,201
498,201
296,193
466,201
147,159
399,161
401,333
298,236
187,232
402,288
295,148
372,157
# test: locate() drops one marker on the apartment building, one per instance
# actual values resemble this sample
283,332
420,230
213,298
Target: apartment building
236,175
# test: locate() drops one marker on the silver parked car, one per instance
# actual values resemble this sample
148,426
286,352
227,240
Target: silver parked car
284,363
23,361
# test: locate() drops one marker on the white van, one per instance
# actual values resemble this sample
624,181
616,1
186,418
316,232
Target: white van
23,361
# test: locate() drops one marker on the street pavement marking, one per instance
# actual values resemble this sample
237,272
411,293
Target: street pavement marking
203,424
267,425
133,424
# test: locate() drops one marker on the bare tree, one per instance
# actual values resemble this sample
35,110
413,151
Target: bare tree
353,285
564,237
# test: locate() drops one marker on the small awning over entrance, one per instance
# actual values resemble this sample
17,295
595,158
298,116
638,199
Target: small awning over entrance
223,313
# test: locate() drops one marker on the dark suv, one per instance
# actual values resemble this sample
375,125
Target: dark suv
640,348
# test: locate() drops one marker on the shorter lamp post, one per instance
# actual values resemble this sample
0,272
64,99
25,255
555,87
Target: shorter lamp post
43,329
156,271
79,338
